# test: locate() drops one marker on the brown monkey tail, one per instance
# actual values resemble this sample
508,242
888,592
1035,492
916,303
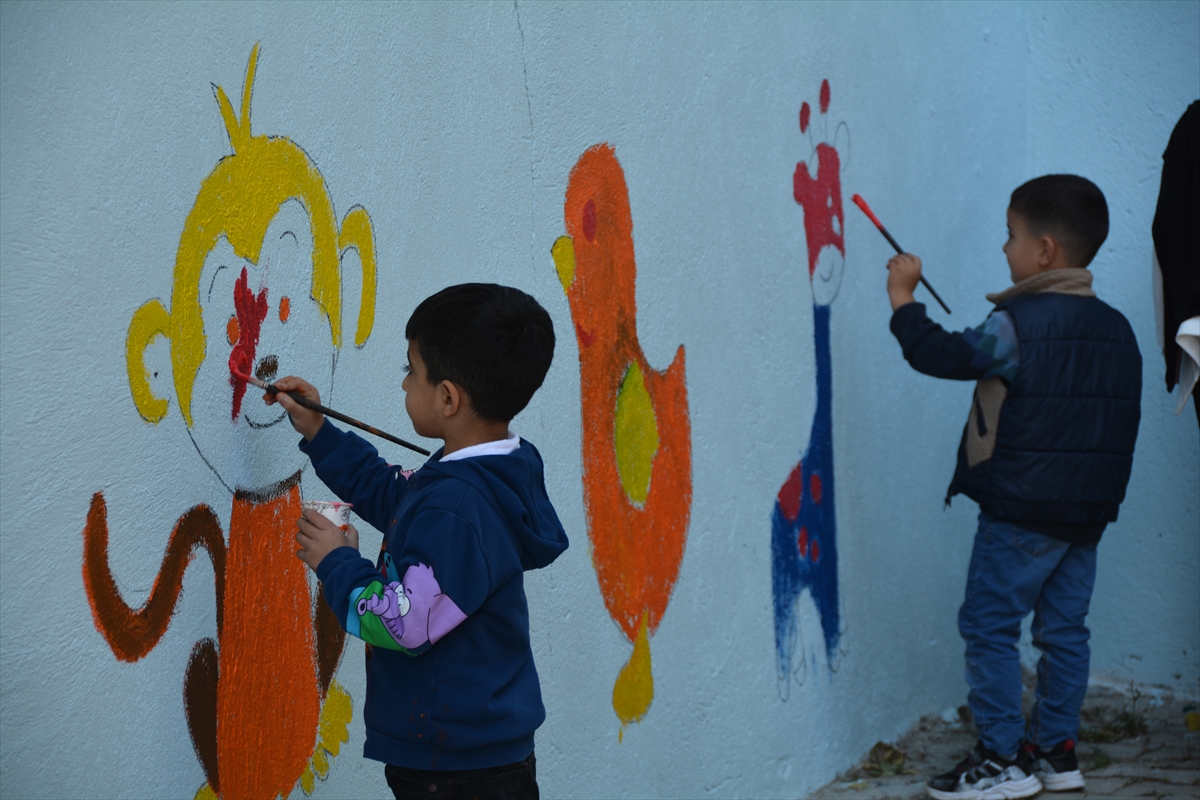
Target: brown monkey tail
133,633
331,638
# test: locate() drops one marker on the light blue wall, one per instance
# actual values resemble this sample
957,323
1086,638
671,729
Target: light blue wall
456,127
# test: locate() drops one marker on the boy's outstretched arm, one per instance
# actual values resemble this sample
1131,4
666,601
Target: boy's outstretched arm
983,352
347,464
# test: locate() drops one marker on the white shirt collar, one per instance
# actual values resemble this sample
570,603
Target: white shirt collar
500,447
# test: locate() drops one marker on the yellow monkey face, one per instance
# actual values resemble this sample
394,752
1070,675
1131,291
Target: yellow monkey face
257,284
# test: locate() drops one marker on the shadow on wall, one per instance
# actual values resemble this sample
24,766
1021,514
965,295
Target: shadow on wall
804,519
262,705
637,447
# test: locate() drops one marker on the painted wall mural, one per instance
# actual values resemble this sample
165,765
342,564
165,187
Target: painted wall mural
257,283
804,519
637,451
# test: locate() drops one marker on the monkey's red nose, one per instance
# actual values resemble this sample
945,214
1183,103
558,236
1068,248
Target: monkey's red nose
251,310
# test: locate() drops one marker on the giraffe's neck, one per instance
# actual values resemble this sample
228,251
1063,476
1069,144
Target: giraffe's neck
823,418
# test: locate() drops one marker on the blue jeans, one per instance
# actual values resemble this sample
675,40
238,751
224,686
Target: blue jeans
1014,571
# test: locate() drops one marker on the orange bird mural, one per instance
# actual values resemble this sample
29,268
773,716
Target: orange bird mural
257,276
637,444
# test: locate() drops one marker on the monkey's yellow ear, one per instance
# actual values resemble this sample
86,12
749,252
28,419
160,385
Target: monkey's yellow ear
357,232
151,320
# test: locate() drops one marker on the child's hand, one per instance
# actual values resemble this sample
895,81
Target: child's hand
904,272
306,421
318,537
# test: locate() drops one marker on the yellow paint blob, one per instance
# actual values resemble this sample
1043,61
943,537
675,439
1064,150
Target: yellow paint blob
636,439
563,253
332,730
205,792
634,688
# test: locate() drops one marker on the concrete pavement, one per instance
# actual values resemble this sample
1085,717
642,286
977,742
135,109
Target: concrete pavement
1134,744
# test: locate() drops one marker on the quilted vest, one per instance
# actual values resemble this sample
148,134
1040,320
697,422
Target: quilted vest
1065,432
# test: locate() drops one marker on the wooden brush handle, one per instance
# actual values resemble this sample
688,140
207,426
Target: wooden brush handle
329,412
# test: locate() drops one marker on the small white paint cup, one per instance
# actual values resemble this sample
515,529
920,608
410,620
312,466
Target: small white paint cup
336,512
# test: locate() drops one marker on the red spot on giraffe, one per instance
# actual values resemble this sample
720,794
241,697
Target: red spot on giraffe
805,113
789,495
802,542
814,487
816,551
824,96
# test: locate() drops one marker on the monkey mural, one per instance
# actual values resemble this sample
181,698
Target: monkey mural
257,277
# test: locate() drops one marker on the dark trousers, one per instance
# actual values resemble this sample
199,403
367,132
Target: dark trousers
510,782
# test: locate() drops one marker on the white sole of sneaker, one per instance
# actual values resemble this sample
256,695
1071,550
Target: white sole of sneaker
1062,781
1009,790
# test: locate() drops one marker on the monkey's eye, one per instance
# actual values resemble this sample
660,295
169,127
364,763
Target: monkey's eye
233,331
285,308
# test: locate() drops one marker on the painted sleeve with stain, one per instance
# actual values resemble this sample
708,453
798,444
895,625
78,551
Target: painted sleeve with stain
976,353
366,603
408,611
353,469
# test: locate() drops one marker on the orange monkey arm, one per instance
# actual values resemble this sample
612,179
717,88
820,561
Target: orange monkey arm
133,633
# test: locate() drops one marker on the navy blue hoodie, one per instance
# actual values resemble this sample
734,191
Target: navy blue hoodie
451,683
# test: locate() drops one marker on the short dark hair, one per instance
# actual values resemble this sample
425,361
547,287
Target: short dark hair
1068,207
496,342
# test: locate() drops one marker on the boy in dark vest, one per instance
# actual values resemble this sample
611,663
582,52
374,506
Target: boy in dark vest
1046,453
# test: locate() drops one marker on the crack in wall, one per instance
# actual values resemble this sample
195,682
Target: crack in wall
532,175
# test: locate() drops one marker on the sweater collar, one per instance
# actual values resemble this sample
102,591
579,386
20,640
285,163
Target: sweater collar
1072,280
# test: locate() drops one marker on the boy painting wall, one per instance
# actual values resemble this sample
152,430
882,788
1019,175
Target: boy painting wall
1047,453
453,697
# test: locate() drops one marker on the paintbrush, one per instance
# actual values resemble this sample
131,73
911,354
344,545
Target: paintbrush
326,410
858,201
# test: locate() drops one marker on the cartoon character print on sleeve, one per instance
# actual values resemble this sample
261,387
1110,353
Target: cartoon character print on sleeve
409,616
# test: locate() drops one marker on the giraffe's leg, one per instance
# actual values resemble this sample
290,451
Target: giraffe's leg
200,706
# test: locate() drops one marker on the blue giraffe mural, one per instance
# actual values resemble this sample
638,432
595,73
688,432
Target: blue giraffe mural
804,520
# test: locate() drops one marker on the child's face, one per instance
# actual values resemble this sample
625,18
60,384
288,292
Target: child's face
1025,251
421,396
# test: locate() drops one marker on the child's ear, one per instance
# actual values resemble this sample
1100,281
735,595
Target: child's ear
451,398
1049,251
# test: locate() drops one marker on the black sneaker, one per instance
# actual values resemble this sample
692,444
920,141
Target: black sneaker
983,775
1058,769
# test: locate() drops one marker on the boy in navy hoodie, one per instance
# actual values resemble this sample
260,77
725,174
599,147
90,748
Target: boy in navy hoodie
453,697
1046,452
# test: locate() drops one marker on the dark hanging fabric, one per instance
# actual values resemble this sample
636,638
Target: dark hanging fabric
1176,232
